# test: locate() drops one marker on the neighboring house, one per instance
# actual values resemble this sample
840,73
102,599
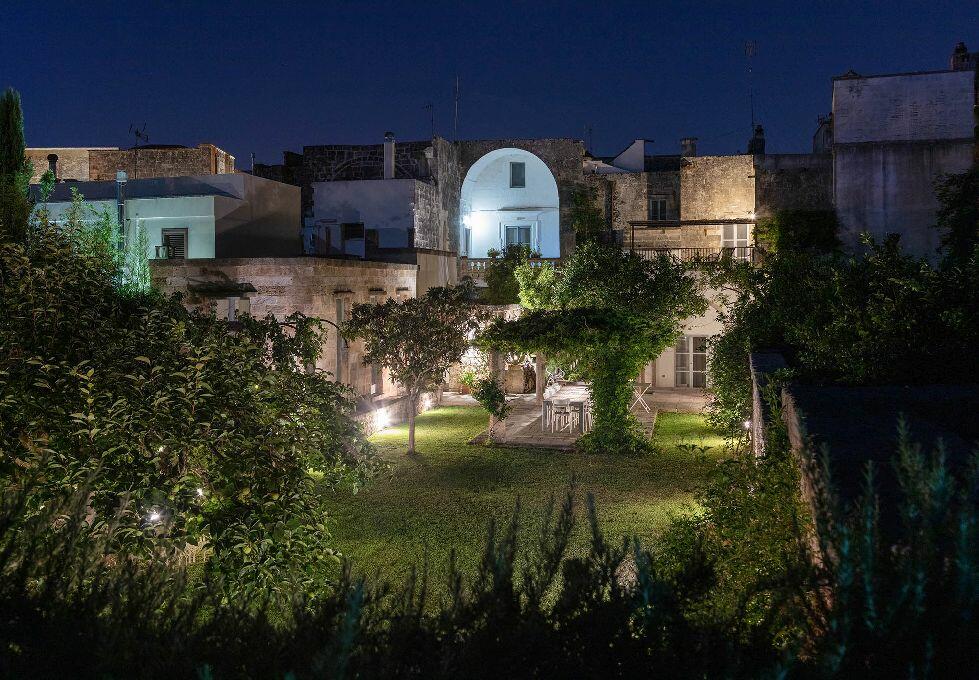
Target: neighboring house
893,136
101,163
197,217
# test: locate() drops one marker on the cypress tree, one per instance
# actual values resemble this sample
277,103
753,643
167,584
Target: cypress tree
14,169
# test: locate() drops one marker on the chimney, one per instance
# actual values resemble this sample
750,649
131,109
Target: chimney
756,145
388,155
53,164
688,146
962,59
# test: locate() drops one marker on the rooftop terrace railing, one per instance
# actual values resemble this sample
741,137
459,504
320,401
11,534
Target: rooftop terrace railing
740,253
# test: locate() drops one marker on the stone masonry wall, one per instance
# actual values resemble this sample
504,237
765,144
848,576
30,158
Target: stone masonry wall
793,182
72,163
206,159
308,285
717,188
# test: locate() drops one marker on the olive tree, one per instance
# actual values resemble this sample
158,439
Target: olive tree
417,339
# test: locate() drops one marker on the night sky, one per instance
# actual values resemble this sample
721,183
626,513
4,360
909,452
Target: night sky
264,77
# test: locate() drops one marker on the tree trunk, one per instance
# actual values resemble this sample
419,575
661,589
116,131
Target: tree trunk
539,377
412,410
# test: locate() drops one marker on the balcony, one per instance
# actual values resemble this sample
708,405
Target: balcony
741,253
475,267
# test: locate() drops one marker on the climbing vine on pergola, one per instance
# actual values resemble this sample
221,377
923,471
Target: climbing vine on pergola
610,313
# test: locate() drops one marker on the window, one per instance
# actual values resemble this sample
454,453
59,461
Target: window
518,175
518,235
377,380
735,238
691,361
657,208
175,243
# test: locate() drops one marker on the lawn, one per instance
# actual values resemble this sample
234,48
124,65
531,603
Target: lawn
446,495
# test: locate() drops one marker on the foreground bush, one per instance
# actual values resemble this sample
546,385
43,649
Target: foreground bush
190,433
730,593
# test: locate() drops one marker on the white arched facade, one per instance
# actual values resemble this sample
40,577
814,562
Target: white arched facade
495,210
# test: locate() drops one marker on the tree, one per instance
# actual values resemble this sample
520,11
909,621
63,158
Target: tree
188,433
417,339
502,287
958,216
15,171
610,312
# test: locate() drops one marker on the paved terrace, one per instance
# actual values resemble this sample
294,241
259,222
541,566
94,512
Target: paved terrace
523,425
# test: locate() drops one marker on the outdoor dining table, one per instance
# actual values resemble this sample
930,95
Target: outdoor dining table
577,405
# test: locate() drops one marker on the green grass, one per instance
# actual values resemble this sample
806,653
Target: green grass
445,496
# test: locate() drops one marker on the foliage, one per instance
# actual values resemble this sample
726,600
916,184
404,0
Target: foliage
15,170
491,397
958,216
192,434
501,285
799,231
537,283
904,592
730,594
610,314
13,162
875,318
417,339
586,218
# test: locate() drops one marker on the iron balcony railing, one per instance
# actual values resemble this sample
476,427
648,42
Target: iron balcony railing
740,253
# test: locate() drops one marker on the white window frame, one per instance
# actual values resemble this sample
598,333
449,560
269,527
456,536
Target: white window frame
531,231
685,375
736,237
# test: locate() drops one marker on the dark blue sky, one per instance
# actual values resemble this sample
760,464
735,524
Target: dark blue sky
269,76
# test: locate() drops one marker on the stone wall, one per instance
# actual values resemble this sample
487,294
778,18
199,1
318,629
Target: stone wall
206,159
717,188
72,162
793,182
309,285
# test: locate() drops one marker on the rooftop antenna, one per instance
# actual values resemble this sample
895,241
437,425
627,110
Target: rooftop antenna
140,134
750,50
455,122
430,107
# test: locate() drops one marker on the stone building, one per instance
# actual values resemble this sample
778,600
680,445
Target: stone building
321,287
156,160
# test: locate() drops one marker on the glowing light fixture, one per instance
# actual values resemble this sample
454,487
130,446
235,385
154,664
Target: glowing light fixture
154,517
747,424
200,491
381,419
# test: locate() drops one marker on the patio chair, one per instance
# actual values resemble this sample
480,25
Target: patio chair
560,414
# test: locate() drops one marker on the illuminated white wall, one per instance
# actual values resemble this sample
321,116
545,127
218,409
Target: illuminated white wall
489,204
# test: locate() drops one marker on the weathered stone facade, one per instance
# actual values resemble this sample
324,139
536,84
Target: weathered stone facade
102,163
317,287
793,182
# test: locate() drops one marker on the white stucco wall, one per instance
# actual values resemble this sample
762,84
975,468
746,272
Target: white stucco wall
489,204
908,107
194,213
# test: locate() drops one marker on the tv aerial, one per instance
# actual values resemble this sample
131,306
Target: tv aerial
140,134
